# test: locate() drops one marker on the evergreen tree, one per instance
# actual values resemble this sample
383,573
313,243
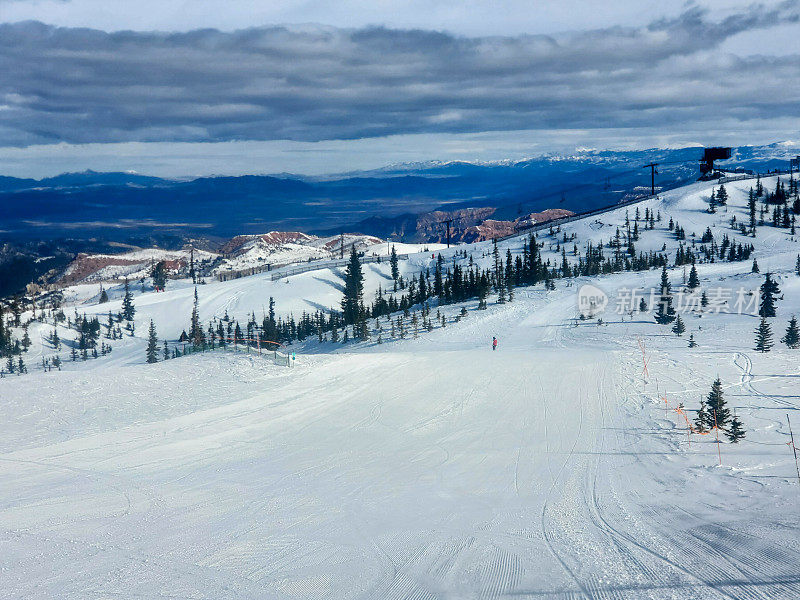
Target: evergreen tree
394,265
694,280
769,289
717,407
152,344
192,272
642,305
763,336
792,337
678,328
361,329
735,432
159,275
482,293
56,341
702,418
103,295
665,313
353,289
166,350
755,268
128,309
722,196
196,328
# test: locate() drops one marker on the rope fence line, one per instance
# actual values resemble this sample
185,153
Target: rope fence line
250,346
341,262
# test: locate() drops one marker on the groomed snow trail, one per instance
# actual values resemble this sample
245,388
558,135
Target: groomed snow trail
431,468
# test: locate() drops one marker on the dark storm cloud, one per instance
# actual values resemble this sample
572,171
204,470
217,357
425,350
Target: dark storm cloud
314,83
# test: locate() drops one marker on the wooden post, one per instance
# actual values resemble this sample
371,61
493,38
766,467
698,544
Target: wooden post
794,448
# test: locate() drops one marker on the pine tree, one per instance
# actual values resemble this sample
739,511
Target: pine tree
394,265
166,350
159,275
769,289
678,328
717,406
152,344
792,337
763,336
755,268
56,341
128,309
665,313
694,280
482,298
361,329
642,305
192,272
353,289
722,196
103,296
735,432
702,418
196,329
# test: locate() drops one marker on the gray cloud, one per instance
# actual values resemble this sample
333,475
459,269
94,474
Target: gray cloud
316,83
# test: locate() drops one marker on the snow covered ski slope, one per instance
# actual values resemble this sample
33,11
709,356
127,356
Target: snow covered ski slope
428,467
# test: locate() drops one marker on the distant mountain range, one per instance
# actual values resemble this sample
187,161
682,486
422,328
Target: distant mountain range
385,202
45,223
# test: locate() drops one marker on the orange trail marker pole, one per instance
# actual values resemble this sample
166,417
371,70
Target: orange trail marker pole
680,411
716,431
793,447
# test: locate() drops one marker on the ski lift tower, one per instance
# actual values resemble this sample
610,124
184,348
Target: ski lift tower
653,173
448,222
709,156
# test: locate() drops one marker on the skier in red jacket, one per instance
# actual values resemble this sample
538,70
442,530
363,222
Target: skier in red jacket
494,344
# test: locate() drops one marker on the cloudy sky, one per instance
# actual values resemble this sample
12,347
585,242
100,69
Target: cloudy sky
182,88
